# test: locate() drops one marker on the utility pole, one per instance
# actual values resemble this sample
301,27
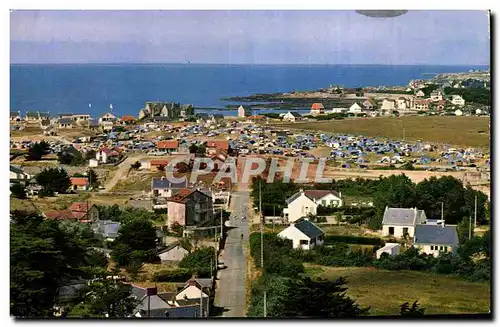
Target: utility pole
442,211
261,226
470,222
221,223
201,301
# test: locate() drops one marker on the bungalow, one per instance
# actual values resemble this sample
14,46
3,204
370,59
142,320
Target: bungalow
79,183
317,109
244,111
17,174
433,239
292,116
15,116
420,94
80,118
304,234
107,118
189,207
65,123
173,253
458,100
399,222
162,187
355,108
338,110
306,202
167,146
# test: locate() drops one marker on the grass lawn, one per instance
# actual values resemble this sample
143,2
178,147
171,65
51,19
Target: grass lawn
458,131
385,290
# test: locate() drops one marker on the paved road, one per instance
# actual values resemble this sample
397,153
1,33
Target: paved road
231,289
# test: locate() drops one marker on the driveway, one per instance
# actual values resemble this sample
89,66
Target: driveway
230,293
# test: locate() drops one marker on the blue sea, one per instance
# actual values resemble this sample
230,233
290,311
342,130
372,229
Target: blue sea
71,88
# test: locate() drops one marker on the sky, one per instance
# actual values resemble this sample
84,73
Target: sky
250,37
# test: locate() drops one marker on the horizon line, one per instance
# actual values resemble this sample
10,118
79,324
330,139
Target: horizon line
234,64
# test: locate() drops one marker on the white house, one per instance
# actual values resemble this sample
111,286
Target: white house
458,100
317,109
173,253
107,118
436,96
391,249
433,239
162,187
292,116
304,235
306,202
479,111
17,174
402,103
420,94
338,110
388,104
194,291
398,222
355,108
458,112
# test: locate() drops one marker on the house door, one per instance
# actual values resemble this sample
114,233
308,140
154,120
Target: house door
391,230
405,231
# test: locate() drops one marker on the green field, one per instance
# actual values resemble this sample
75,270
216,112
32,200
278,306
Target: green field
459,131
385,290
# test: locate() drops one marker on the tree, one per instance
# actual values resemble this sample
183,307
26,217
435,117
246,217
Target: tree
38,150
105,299
93,178
42,257
136,165
54,180
70,156
193,148
137,235
18,191
177,229
414,311
199,260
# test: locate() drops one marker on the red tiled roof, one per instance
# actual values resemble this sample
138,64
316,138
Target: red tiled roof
79,209
318,194
218,144
317,106
159,162
182,195
167,144
128,118
60,215
79,181
257,117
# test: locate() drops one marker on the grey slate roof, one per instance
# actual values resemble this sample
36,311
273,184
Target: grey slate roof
65,121
190,311
402,216
436,234
309,229
158,183
295,114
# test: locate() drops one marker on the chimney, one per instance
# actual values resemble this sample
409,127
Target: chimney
192,282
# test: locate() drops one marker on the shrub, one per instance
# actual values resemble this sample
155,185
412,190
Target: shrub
172,275
353,240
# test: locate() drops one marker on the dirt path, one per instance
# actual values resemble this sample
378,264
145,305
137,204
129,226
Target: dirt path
121,172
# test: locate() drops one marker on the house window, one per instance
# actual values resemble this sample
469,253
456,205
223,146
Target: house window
323,202
445,249
304,242
440,248
320,238
432,247
391,230
405,231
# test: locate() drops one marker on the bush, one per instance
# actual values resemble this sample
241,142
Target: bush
173,275
353,240
284,266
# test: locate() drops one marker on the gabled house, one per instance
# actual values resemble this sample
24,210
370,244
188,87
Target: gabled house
402,103
317,109
80,183
433,239
151,305
292,116
421,104
306,202
17,174
388,104
244,111
196,289
355,108
15,116
162,187
78,211
189,207
107,118
457,100
167,146
108,229
436,96
127,120
174,252
80,118
369,104
420,94
399,222
304,234
106,155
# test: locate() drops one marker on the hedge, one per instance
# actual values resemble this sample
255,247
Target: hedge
172,275
354,240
